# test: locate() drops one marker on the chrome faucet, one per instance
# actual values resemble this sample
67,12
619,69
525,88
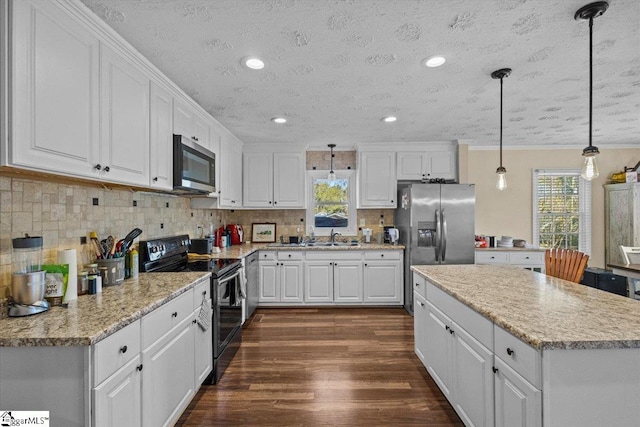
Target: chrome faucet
333,236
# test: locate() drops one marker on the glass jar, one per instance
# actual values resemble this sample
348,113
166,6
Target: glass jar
83,282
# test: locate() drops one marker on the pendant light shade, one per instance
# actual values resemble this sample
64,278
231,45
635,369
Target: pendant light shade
332,174
588,12
501,184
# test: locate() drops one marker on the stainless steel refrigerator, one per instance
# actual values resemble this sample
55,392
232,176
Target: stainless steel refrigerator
436,223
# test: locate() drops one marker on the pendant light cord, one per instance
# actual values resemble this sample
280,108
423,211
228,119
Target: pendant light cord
590,78
501,78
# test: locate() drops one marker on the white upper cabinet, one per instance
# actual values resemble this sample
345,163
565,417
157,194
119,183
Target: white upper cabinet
161,138
124,148
377,179
419,165
54,79
230,166
274,180
188,122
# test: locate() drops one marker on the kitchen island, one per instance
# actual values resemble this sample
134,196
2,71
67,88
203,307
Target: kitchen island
84,363
514,347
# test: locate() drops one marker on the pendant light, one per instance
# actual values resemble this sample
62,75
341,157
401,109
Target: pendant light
590,11
501,171
332,174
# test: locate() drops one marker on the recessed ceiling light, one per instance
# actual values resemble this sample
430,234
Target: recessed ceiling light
434,61
279,120
253,63
389,119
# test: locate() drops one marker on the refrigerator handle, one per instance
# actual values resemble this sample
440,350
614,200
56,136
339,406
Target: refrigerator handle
438,235
443,249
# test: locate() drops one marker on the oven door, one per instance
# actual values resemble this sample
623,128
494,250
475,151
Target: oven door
227,315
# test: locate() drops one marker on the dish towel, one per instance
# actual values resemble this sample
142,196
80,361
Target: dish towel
204,316
243,281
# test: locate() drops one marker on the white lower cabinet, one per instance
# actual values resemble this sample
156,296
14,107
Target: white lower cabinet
331,277
383,277
117,401
347,281
167,377
457,345
517,401
148,372
318,282
281,277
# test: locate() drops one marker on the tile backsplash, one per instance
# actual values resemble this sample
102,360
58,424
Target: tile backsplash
63,213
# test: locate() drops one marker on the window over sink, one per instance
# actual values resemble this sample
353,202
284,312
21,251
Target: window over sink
332,203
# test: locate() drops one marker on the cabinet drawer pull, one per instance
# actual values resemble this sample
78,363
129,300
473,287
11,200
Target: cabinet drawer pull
155,179
107,168
495,370
417,284
365,264
139,367
421,303
174,314
123,349
289,255
204,293
381,255
98,167
451,331
510,352
194,321
446,327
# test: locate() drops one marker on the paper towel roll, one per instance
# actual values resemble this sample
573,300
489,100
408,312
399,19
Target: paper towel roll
69,256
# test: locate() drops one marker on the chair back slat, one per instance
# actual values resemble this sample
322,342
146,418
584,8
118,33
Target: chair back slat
565,264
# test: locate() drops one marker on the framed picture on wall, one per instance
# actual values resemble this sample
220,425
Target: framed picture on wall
264,232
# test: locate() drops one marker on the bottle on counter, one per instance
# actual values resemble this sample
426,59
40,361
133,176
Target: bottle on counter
133,263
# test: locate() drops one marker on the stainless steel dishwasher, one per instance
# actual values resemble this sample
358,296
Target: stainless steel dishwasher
251,266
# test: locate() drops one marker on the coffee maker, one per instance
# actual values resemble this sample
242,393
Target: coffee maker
28,278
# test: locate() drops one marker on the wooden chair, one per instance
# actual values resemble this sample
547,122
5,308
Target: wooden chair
565,264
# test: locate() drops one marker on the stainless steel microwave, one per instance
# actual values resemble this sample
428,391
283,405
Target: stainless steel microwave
194,167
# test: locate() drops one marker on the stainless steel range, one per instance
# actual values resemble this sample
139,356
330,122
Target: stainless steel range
169,254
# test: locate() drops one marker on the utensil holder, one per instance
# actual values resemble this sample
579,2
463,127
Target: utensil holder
115,271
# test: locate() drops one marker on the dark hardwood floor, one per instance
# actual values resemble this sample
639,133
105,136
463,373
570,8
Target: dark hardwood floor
325,366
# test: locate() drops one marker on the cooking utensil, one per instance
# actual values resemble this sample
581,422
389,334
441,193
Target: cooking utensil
128,239
113,246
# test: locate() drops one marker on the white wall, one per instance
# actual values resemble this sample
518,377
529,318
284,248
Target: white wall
509,212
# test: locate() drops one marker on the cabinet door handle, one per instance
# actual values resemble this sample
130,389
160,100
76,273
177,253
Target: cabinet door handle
421,303
417,284
510,352
335,263
107,168
330,263
365,264
451,331
195,138
174,314
495,370
155,179
289,255
392,201
381,255
275,203
269,201
123,349
446,327
194,321
205,292
139,367
98,167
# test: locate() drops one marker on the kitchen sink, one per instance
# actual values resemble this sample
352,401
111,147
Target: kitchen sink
334,244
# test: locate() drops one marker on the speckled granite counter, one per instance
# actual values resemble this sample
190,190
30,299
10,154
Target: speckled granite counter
546,312
241,251
92,318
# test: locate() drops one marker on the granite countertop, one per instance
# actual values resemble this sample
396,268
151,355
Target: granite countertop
512,249
92,318
241,251
546,312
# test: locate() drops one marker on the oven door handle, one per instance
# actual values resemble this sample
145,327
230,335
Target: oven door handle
226,279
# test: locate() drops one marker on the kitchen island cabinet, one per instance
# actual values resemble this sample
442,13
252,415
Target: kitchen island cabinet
562,354
117,358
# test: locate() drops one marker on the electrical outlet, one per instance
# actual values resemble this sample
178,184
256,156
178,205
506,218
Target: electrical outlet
362,222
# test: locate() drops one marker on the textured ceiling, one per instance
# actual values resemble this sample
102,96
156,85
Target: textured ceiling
335,68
